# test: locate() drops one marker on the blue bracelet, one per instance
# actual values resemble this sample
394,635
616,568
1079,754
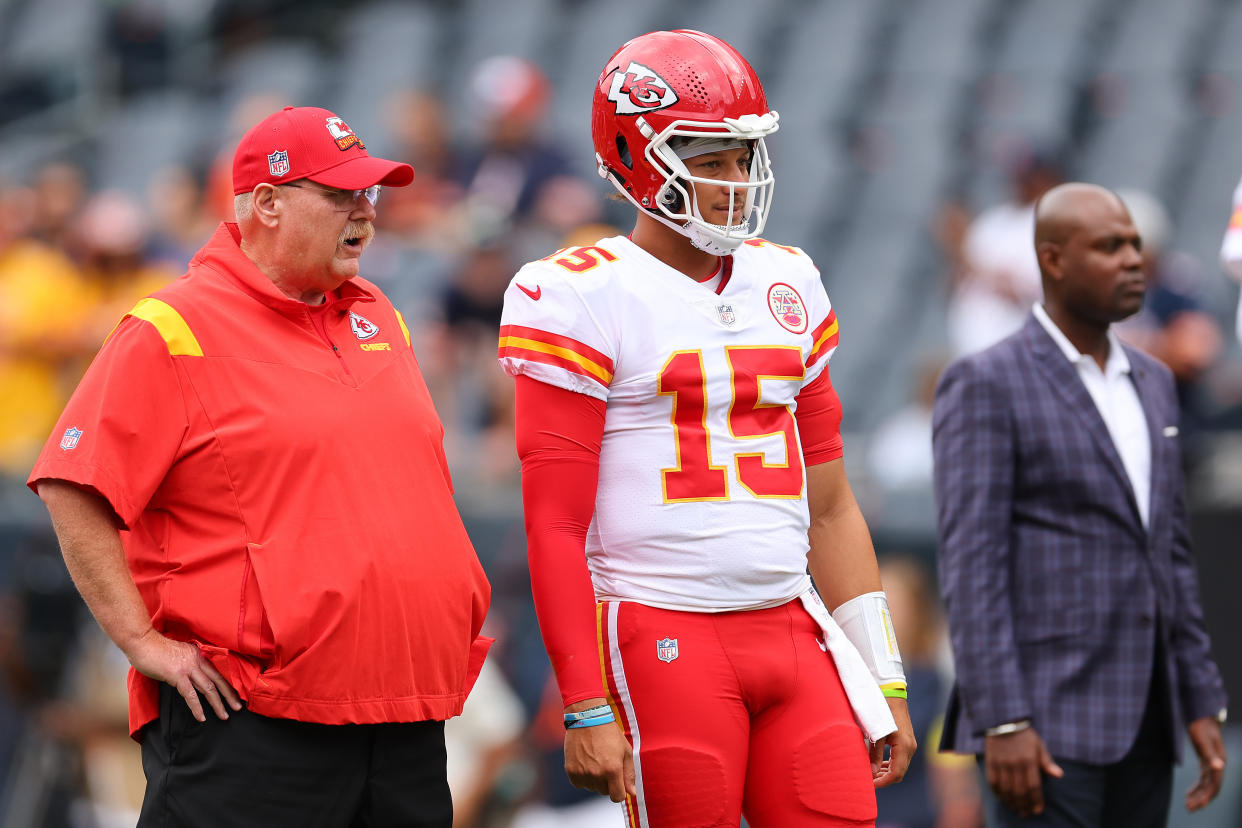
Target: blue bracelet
598,715
590,712
601,719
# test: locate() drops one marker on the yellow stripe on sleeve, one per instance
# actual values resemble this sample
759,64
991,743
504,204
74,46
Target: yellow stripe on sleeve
176,333
404,329
590,366
828,333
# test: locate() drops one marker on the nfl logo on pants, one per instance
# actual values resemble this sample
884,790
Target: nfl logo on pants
666,649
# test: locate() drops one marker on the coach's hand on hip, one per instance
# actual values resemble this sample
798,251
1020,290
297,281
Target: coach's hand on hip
183,666
1014,762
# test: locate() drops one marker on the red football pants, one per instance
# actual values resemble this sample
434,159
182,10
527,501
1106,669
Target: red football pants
731,713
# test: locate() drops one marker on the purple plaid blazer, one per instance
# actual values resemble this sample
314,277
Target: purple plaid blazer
1054,590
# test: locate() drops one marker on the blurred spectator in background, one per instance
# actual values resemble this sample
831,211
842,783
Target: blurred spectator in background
111,239
480,744
514,175
1000,278
137,33
425,213
471,392
88,717
1173,325
940,790
1231,250
557,803
181,221
900,454
41,772
59,193
43,308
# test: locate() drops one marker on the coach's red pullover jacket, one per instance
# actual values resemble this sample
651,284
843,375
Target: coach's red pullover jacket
279,471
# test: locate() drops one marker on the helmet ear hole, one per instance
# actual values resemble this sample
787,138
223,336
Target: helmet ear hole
672,199
623,151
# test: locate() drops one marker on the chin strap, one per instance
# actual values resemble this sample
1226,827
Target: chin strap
710,243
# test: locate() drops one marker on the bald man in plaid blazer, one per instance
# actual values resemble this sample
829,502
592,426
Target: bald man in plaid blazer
1078,636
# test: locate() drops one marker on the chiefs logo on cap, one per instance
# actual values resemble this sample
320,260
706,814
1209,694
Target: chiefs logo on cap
342,134
639,89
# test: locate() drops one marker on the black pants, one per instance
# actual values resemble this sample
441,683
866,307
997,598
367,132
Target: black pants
1135,792
256,771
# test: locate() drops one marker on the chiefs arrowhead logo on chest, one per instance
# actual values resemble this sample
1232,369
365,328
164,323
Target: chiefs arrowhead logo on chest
362,327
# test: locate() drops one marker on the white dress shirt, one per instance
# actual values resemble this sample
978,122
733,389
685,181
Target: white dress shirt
1117,401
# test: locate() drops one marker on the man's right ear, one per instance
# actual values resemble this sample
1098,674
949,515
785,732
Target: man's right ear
267,206
1049,256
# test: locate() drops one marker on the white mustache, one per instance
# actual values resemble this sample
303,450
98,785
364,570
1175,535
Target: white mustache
363,231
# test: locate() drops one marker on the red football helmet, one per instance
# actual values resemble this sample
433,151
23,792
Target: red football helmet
690,85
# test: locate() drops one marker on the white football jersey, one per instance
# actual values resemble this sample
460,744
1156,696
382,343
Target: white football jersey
702,492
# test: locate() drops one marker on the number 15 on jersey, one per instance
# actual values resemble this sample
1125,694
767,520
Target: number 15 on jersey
695,478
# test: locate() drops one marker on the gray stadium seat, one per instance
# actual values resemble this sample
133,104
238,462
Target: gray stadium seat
1156,37
825,60
53,35
592,31
812,170
1136,146
147,135
939,38
386,48
1048,38
292,69
483,29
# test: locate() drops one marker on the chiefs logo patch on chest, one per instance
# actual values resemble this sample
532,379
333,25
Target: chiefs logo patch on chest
787,308
362,327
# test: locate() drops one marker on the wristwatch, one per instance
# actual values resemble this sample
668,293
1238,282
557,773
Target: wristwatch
1007,728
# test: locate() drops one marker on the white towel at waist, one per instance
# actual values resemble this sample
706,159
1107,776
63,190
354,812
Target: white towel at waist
867,701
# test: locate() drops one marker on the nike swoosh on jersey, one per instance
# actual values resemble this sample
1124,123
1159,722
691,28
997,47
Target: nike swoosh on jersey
533,294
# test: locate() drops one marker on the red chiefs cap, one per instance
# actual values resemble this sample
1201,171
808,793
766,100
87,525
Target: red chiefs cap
308,142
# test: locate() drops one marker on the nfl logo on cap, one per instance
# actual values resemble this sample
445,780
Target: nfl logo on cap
666,649
278,163
70,440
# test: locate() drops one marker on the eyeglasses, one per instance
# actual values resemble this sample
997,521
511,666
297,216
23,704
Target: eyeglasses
341,199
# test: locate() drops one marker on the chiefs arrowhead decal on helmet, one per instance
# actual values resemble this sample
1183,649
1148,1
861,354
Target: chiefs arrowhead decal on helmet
639,89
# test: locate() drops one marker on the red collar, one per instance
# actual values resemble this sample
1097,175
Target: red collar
726,264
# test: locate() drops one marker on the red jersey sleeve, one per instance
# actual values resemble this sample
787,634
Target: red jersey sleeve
123,426
819,421
559,434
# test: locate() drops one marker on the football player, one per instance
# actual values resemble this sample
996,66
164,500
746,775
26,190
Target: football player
681,470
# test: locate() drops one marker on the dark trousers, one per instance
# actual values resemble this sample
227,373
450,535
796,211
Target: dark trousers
253,770
1133,793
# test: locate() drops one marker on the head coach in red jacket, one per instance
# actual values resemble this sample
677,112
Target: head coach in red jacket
1065,560
251,494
